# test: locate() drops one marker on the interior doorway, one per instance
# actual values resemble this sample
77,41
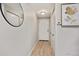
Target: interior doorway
43,29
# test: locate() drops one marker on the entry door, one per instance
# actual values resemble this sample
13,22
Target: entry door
43,30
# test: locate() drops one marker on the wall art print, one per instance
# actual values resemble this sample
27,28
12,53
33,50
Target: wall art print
70,14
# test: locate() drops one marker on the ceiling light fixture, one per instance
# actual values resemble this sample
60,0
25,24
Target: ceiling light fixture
43,12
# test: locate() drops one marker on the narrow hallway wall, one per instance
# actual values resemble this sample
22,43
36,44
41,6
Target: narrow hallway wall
52,28
67,38
52,25
18,41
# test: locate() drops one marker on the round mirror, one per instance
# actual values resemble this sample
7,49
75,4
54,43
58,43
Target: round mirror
13,13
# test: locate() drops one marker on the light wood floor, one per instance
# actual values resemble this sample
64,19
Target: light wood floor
43,48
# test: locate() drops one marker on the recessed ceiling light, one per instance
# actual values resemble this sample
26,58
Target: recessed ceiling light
43,12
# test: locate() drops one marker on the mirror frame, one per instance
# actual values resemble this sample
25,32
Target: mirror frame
6,18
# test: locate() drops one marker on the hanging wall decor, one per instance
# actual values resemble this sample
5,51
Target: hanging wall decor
12,13
70,14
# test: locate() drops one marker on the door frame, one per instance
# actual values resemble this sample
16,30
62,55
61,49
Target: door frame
49,28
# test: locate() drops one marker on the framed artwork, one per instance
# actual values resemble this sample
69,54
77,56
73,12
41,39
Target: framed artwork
70,14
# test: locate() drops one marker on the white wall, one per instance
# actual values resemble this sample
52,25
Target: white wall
52,34
18,41
67,38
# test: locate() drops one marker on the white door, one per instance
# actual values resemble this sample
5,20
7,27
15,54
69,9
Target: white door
43,29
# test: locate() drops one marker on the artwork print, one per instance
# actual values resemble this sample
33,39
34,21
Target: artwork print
70,14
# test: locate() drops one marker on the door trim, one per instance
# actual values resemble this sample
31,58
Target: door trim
38,28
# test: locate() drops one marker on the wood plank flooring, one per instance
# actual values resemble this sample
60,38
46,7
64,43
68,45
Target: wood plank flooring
43,48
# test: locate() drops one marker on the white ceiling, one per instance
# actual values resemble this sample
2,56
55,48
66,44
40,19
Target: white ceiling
36,7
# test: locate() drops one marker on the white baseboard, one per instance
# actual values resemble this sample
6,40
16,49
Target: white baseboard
30,53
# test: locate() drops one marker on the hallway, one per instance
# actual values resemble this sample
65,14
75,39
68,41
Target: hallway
43,48
25,24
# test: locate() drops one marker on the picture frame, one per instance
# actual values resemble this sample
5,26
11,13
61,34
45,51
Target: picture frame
70,14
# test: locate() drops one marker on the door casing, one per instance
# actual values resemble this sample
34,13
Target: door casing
38,28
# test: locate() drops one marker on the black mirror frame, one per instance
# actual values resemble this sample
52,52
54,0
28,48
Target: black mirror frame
6,19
